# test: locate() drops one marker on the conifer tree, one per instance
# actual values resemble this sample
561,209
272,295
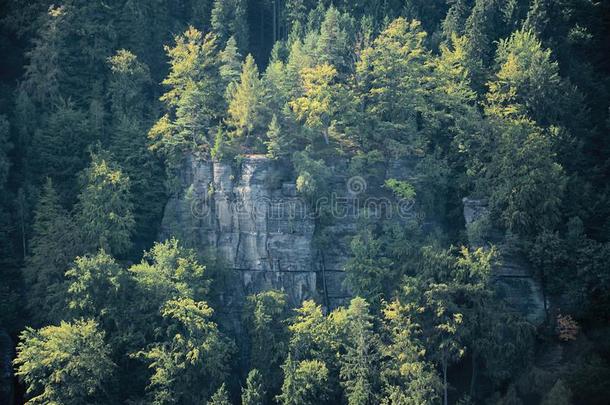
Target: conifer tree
317,105
527,83
167,271
59,149
129,144
127,84
194,101
279,143
360,363
246,111
392,96
220,397
231,66
266,315
44,71
334,44
253,393
55,243
191,351
104,211
305,383
98,290
229,19
407,375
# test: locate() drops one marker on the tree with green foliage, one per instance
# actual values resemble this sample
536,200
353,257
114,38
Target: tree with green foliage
5,147
55,243
254,392
312,174
407,376
246,113
195,99
167,271
66,364
316,107
390,74
279,143
526,182
190,352
334,43
229,19
265,315
104,212
434,308
231,66
129,145
220,397
314,336
527,82
44,72
98,289
360,363
370,273
129,79
12,300
305,383
59,148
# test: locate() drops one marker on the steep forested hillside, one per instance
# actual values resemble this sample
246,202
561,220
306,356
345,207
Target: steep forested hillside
505,102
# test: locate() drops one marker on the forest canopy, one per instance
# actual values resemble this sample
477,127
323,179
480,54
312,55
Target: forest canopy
504,103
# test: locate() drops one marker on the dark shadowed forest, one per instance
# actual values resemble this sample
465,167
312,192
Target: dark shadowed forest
480,127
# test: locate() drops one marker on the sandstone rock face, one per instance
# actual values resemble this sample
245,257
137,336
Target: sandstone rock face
255,222
251,217
514,278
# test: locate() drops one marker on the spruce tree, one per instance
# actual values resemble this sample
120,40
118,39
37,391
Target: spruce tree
194,101
334,43
246,113
54,244
305,383
279,143
129,144
229,19
59,149
265,316
104,212
220,397
360,363
191,352
231,66
98,290
253,393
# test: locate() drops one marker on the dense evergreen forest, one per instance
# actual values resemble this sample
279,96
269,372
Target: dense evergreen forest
506,101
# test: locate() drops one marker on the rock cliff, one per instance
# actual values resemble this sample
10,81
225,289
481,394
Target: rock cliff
253,219
250,215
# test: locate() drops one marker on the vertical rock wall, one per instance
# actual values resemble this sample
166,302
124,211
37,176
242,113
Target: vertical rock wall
252,219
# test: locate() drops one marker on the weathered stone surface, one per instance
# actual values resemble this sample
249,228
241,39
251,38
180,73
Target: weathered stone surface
263,232
515,281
